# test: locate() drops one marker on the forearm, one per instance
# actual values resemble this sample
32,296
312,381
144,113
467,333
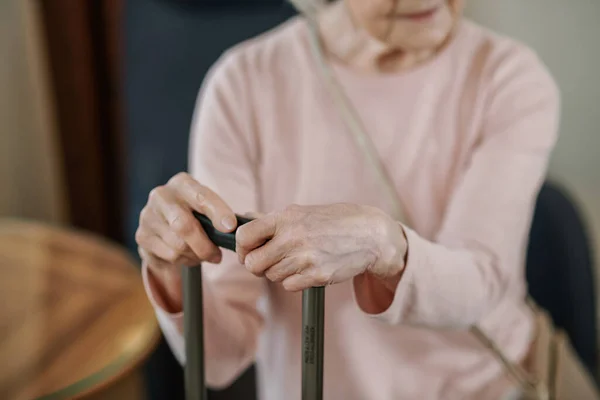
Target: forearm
439,287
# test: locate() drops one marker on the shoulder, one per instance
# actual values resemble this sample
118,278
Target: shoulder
505,62
517,89
264,56
239,84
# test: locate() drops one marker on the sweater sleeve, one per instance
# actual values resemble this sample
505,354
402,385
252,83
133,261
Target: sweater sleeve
222,157
456,279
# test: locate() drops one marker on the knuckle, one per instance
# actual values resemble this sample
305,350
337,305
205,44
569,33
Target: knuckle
179,245
320,276
145,214
294,241
142,252
139,235
201,200
308,259
156,194
182,224
171,255
270,274
274,275
289,286
251,263
178,178
298,232
301,239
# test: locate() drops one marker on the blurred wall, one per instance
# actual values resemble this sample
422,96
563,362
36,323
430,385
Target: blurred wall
30,179
566,35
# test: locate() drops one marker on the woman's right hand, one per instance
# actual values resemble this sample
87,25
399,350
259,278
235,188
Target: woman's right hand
169,236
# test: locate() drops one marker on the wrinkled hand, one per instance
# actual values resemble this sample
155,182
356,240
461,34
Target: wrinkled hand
169,236
308,246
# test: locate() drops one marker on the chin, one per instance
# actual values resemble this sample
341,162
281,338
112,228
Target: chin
419,39
424,35
430,41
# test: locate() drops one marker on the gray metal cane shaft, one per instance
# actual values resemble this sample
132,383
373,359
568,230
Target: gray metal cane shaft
194,333
313,321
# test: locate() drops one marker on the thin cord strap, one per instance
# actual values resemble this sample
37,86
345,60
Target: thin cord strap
349,115
519,376
529,386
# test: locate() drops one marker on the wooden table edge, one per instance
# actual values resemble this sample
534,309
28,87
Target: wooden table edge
69,230
106,376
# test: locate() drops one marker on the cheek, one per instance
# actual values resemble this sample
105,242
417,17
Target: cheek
370,15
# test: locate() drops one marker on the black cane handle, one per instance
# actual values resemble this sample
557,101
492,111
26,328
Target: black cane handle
221,239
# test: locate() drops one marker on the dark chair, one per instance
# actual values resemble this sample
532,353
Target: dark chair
169,46
560,270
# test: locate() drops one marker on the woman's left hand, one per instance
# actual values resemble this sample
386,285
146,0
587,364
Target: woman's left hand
308,246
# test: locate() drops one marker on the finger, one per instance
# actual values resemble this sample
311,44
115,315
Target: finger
157,225
151,244
253,215
254,234
157,254
185,258
313,276
153,262
163,255
205,201
283,269
161,251
298,282
265,257
179,220
195,249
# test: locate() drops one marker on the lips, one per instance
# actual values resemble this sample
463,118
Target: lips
420,15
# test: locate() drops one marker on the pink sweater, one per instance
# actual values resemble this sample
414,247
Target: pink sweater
466,138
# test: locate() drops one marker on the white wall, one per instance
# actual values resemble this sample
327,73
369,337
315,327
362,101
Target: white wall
566,35
30,178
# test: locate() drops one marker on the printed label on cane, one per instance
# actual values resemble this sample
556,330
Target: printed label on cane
309,345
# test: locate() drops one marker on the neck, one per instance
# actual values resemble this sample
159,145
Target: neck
353,46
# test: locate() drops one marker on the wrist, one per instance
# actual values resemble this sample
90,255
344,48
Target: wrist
165,285
375,289
392,254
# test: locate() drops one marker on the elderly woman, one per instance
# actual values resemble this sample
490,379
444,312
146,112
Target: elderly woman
392,150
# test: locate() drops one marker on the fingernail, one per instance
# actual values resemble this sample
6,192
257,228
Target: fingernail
229,222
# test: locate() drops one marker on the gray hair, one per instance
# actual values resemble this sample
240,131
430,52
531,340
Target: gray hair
308,7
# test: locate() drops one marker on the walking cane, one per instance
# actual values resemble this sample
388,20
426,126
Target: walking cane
313,301
313,313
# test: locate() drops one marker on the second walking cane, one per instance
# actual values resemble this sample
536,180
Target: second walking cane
313,313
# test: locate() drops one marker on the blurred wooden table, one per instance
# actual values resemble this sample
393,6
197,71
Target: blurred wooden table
74,319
